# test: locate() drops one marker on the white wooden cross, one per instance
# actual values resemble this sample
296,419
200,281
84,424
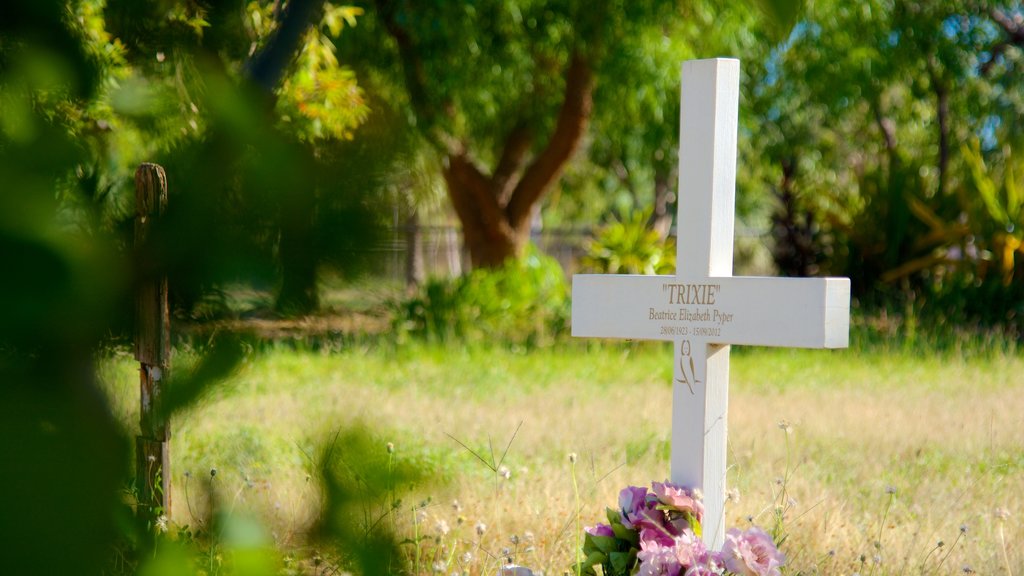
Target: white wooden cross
703,308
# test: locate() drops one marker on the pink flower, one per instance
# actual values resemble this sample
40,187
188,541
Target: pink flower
751,553
600,530
657,560
632,501
690,550
679,498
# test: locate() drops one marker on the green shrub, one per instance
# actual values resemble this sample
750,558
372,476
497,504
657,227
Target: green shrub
524,302
630,247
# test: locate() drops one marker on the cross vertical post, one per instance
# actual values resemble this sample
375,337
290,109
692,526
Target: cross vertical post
709,105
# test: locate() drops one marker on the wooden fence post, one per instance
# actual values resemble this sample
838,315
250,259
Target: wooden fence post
153,351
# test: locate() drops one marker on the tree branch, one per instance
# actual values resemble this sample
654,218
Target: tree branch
466,179
517,144
268,66
942,115
1014,29
888,129
415,77
573,119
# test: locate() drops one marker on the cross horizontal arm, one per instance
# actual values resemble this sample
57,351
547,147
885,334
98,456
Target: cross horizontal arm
757,311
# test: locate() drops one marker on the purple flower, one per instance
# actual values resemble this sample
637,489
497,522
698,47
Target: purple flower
656,534
751,553
679,498
632,501
600,530
657,560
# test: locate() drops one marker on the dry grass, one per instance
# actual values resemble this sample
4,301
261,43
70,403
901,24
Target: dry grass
886,455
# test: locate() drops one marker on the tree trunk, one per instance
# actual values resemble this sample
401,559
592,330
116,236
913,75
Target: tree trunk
414,269
297,253
661,217
495,209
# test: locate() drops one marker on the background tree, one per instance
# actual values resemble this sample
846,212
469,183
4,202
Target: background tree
505,91
865,112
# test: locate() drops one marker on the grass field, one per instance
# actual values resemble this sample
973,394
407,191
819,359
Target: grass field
882,455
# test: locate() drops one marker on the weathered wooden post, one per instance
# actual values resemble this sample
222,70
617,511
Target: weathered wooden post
153,351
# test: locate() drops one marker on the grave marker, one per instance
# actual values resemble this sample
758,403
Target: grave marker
703,309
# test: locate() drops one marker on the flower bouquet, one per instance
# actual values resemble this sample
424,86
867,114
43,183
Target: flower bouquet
658,533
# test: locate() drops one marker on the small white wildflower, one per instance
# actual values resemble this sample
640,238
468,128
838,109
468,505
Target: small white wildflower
456,506
391,447
161,523
480,528
785,426
1002,514
572,457
967,569
439,567
514,539
963,528
466,558
441,527
421,515
890,490
733,495
504,472
528,536
505,552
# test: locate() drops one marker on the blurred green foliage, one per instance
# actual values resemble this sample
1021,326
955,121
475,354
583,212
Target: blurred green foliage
524,302
630,246
88,90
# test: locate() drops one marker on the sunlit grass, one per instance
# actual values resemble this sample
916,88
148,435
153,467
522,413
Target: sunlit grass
927,443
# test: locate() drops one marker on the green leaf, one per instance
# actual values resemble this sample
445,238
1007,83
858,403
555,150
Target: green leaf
1014,197
782,14
605,544
623,533
623,562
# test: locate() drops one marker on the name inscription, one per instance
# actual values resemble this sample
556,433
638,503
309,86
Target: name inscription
699,315
691,293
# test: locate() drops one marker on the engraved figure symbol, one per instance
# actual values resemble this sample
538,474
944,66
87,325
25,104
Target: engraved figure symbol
686,362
